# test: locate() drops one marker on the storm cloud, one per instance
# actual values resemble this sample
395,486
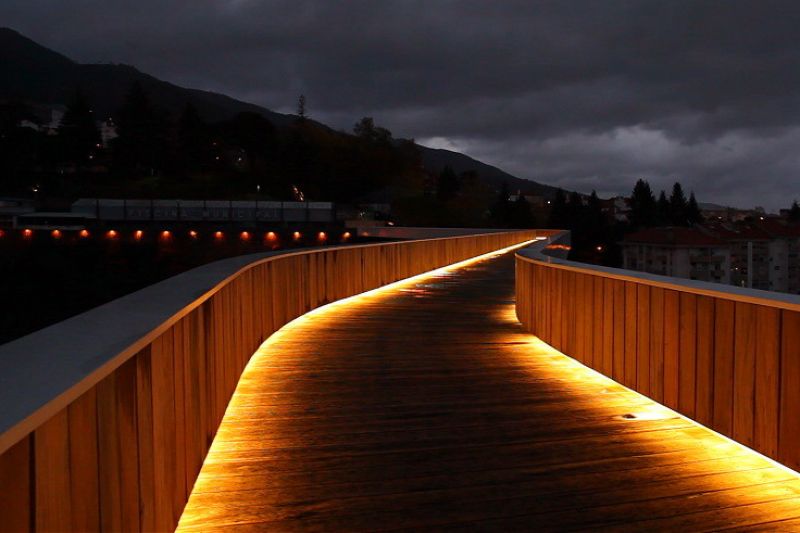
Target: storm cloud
584,95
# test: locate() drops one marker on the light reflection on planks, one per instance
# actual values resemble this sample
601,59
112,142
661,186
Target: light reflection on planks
427,406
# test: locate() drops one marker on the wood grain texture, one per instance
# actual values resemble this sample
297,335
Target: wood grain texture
124,455
728,362
345,421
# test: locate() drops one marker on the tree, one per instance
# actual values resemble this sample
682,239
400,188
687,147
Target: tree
794,212
301,108
365,129
559,215
662,209
77,131
643,205
693,214
447,185
193,138
501,209
677,206
521,214
142,143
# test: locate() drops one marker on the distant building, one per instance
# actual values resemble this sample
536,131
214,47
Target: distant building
760,253
678,252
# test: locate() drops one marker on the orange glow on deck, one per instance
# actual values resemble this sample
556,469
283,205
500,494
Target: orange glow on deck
296,235
270,236
56,234
346,235
193,234
111,234
245,236
27,233
83,233
322,237
746,475
138,234
165,235
2,233
218,235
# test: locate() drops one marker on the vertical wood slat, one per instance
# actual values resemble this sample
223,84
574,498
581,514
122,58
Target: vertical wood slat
744,348
642,338
83,459
52,473
704,388
767,381
618,331
631,322
125,454
657,343
671,347
789,410
16,467
724,325
687,353
118,449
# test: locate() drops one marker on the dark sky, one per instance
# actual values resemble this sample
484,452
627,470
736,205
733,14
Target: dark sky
585,95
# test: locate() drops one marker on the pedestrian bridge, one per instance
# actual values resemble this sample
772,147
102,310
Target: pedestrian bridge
478,383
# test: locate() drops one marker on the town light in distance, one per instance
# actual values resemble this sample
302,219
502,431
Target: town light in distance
193,234
245,236
56,234
218,235
138,234
270,236
83,233
27,233
296,235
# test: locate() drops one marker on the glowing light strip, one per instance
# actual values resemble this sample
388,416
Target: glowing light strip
599,376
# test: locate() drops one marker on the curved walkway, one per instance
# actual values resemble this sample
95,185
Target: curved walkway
426,406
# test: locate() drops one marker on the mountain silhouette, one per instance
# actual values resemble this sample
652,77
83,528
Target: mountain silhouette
34,74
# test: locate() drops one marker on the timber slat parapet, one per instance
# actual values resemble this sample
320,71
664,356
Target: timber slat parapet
726,357
120,449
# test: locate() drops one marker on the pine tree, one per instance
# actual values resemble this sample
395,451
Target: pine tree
193,138
559,215
141,143
447,186
501,209
521,214
693,214
643,205
77,132
794,212
677,206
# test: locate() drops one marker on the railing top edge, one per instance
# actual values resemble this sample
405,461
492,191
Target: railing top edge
537,253
69,357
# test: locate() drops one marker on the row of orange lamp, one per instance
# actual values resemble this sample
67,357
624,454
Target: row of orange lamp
270,236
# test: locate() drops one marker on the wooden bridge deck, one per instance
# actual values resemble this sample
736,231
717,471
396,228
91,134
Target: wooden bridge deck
427,407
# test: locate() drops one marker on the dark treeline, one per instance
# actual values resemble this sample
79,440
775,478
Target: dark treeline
596,232
647,211
156,154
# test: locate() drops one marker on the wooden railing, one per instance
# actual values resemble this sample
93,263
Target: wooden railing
105,419
726,357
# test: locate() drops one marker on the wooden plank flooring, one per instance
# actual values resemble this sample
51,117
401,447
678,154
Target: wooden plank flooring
426,407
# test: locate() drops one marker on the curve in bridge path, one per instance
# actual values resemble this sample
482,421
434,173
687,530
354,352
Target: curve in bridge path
427,406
